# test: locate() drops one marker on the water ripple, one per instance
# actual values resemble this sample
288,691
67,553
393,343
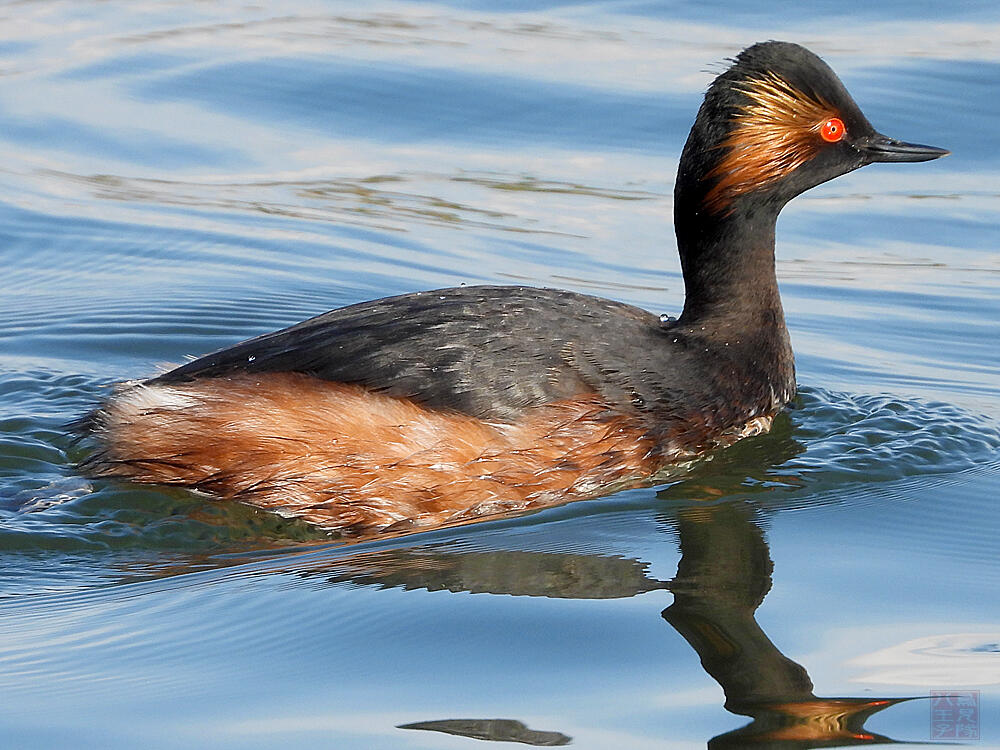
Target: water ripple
829,443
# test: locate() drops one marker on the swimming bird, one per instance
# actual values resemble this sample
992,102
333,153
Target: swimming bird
458,404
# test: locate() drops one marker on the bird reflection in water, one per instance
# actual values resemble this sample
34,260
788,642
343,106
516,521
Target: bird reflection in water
497,730
722,578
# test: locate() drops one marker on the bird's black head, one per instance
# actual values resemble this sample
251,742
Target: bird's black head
775,124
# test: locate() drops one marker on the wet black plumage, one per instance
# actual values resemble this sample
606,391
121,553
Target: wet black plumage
494,351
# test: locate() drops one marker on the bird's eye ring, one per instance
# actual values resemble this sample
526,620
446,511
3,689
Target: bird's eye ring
832,130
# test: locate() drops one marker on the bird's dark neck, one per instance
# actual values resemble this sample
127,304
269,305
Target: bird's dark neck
731,291
728,265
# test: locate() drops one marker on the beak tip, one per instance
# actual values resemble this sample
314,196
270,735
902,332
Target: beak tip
881,148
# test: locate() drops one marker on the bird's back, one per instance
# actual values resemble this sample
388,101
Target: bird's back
486,351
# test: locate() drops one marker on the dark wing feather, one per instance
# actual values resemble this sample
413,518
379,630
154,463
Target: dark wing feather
486,351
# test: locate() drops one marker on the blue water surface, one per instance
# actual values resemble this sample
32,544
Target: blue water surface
177,177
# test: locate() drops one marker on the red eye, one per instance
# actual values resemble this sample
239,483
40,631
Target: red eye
832,130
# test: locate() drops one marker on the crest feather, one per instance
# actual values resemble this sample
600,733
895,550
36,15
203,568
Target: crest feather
772,135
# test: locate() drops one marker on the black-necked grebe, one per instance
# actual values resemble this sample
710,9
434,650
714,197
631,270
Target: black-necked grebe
444,406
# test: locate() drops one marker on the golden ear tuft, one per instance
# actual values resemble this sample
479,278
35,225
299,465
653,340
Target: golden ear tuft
776,132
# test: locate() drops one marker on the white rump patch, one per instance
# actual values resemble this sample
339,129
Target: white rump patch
135,399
